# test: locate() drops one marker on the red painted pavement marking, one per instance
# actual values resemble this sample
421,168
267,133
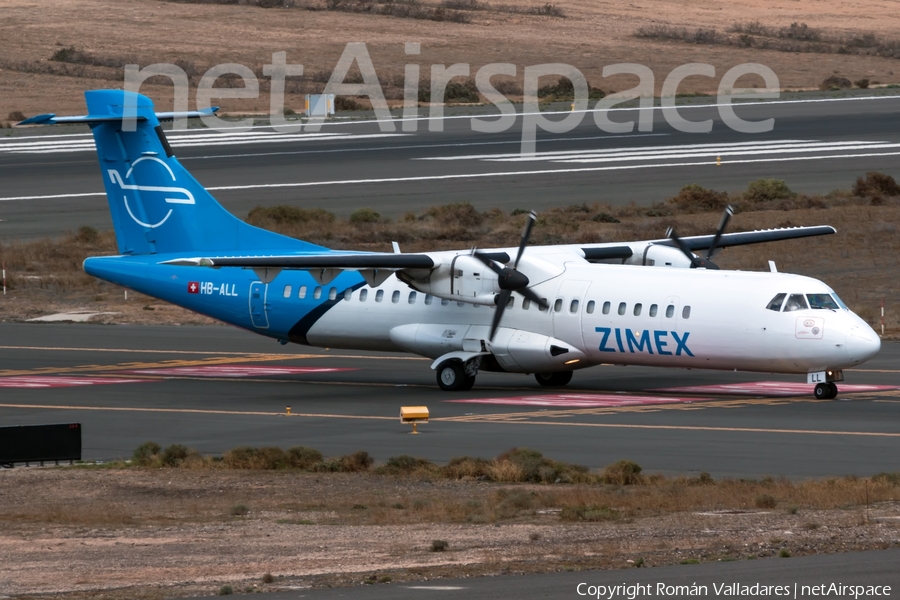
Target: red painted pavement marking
770,388
27,381
236,371
582,400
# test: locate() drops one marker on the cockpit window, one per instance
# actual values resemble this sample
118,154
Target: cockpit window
839,301
795,302
775,303
822,301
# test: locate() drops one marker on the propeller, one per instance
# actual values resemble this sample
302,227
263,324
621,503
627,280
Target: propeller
510,279
696,261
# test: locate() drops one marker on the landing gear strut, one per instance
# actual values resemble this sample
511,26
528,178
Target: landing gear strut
558,379
455,376
826,391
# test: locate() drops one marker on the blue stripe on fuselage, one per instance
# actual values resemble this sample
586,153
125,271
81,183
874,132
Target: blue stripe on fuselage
224,294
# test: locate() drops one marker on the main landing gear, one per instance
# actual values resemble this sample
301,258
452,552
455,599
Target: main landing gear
826,391
456,376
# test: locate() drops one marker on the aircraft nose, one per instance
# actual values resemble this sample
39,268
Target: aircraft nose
862,343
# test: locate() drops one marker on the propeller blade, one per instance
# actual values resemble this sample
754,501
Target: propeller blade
726,216
673,235
534,298
526,235
489,262
502,300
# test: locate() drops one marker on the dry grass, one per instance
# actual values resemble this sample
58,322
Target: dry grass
512,486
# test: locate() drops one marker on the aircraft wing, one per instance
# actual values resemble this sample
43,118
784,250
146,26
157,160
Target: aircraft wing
703,242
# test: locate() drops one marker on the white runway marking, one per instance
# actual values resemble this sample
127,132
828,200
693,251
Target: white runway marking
642,157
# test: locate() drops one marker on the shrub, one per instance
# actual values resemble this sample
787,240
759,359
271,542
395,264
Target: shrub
784,553
16,116
365,215
405,465
510,503
226,590
174,455
588,513
892,479
766,501
239,510
439,545
246,457
283,215
875,184
147,454
461,92
87,235
346,103
605,217
695,198
766,190
861,83
835,83
463,467
301,457
268,578
460,214
623,472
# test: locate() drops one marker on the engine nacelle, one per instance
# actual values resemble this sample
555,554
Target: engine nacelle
464,279
658,255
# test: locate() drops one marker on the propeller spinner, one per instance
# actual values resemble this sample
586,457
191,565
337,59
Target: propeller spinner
510,279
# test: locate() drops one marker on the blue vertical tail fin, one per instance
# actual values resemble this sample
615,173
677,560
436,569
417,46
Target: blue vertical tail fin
157,206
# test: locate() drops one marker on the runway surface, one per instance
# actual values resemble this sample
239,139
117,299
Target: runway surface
213,388
52,183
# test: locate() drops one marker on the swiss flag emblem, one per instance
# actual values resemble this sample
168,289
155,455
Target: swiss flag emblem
193,287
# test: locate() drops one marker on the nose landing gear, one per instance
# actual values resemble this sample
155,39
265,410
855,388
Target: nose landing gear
826,391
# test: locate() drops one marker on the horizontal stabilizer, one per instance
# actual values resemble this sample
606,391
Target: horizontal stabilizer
52,119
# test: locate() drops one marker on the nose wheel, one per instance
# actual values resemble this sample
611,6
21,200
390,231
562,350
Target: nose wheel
826,391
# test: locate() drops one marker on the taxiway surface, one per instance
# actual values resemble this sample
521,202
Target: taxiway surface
214,388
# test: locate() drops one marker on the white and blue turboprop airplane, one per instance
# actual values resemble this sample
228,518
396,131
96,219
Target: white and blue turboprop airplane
548,311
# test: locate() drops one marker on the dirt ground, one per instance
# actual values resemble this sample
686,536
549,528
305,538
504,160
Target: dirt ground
592,34
153,533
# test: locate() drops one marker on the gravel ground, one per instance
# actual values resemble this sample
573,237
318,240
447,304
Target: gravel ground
136,533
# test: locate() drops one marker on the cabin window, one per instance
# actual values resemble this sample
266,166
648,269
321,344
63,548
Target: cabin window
460,304
287,291
395,297
511,303
445,302
822,301
544,304
622,308
775,303
379,295
795,302
557,306
686,312
412,298
363,294
653,309
670,311
301,293
348,295
589,309
606,307
573,306
526,304
637,309
332,293
317,293
428,299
